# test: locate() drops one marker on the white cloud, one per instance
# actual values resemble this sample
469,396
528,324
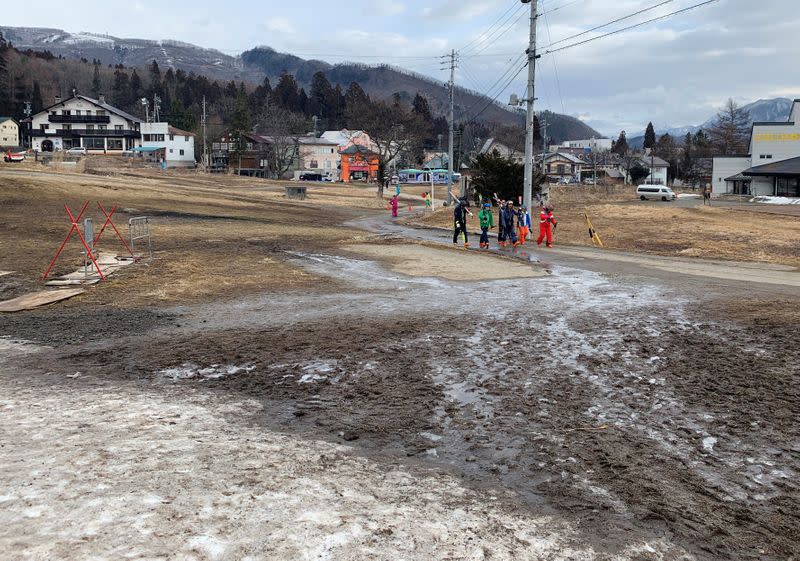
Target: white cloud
280,24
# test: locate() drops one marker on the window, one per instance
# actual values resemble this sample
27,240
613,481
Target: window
66,127
118,127
115,144
44,127
90,128
331,150
100,113
327,164
170,150
186,138
314,164
171,137
88,112
94,143
787,187
103,127
66,112
182,153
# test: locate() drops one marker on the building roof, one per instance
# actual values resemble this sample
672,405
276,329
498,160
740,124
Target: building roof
106,106
655,160
784,168
4,119
356,149
317,141
737,177
179,132
567,156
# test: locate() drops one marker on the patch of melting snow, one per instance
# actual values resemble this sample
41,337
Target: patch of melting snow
190,370
708,443
212,547
309,378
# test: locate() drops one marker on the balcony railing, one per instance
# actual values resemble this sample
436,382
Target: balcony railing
79,118
109,133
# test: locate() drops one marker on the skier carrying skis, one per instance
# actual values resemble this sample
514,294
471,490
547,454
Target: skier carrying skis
547,223
460,222
524,224
507,219
487,222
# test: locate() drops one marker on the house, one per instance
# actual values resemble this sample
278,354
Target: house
9,133
492,144
257,155
590,144
345,137
359,163
561,166
771,168
81,121
318,155
656,166
177,144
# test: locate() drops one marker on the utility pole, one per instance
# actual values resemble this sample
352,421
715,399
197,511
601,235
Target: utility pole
451,122
531,52
204,122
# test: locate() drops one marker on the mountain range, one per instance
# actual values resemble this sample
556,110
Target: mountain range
763,110
381,81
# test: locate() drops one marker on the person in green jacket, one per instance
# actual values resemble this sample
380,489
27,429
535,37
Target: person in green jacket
487,222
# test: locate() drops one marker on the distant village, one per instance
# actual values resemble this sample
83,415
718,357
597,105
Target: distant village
81,125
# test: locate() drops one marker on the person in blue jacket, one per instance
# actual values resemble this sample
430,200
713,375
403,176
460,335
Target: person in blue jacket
507,219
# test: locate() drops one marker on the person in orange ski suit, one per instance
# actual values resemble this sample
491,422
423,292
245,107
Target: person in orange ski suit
547,223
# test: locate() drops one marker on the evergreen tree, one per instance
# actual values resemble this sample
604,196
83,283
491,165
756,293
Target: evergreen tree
320,95
135,87
97,85
302,104
37,103
121,94
621,145
155,79
650,136
420,107
286,93
4,97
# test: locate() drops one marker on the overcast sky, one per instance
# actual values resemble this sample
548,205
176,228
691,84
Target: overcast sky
673,72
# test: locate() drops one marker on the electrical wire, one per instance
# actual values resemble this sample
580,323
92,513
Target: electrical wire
629,16
555,66
549,51
500,91
491,38
510,8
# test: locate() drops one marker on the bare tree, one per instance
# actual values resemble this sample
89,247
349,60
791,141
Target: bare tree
393,131
281,129
730,133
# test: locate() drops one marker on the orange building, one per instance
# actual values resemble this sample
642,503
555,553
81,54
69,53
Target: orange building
359,163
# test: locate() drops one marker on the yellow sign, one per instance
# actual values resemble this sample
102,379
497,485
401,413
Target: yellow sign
775,137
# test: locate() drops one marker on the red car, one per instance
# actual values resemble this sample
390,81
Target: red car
14,156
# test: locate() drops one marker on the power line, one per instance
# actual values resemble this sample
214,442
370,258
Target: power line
500,31
500,80
478,38
616,32
557,8
629,16
494,99
555,65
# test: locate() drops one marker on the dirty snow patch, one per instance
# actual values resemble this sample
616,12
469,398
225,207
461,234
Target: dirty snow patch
190,370
776,200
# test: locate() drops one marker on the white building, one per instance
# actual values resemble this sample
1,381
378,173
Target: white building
81,121
773,166
593,144
9,133
318,155
177,144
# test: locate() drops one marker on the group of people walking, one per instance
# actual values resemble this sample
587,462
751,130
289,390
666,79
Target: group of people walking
514,225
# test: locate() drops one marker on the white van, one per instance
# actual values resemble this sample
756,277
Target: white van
655,193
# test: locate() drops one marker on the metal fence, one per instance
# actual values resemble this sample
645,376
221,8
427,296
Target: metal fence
139,228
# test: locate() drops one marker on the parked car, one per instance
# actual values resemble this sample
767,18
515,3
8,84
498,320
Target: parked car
563,181
655,193
14,156
311,177
77,151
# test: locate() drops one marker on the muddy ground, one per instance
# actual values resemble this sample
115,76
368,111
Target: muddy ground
363,413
